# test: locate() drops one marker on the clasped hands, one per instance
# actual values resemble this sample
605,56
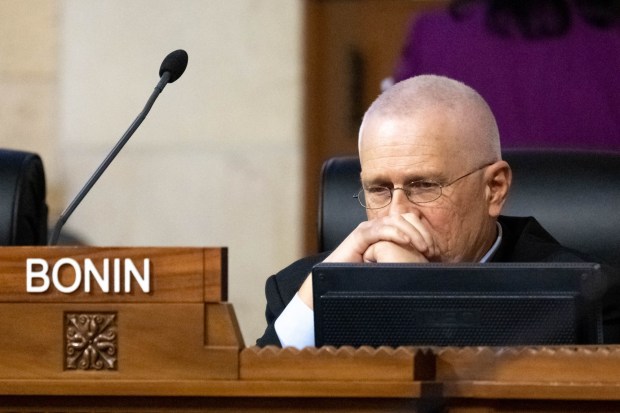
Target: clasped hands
393,238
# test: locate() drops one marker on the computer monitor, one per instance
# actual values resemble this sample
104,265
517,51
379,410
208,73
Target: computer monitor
489,304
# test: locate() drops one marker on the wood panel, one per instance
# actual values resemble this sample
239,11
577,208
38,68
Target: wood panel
205,404
567,373
178,351
100,342
330,363
464,380
178,274
166,339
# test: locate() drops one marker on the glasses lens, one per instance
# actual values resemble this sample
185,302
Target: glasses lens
423,191
375,197
417,192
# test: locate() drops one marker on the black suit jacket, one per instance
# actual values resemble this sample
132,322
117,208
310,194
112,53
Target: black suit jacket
523,240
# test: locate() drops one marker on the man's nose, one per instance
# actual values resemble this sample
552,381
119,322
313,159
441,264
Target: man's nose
400,204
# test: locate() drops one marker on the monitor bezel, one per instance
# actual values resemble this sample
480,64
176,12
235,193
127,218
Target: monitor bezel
584,281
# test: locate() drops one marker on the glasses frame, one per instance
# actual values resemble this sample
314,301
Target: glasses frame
440,186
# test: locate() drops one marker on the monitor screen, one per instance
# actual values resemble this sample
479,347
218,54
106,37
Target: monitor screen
489,304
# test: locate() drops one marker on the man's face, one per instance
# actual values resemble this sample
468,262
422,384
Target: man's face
395,151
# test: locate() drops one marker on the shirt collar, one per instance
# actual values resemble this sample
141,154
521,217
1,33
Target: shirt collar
487,257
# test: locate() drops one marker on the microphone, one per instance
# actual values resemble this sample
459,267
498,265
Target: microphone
170,70
175,64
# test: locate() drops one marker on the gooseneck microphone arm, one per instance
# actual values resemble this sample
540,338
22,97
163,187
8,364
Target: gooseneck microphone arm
171,69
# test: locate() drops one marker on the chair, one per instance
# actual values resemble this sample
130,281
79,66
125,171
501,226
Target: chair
575,195
23,210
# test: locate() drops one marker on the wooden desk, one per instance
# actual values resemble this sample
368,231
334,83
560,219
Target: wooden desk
178,348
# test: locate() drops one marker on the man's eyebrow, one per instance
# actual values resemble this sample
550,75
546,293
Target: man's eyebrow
376,181
431,174
384,181
424,177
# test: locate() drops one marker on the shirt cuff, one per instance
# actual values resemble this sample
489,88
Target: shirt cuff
295,326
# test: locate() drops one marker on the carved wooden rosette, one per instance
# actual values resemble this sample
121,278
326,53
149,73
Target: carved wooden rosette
91,341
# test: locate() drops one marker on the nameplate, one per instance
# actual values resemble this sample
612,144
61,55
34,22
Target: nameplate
92,274
116,276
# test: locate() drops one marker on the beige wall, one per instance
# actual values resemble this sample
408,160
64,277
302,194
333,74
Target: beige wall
218,160
29,78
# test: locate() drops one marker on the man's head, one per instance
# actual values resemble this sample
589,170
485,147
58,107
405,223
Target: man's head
431,128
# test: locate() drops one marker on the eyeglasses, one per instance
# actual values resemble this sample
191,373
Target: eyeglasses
417,192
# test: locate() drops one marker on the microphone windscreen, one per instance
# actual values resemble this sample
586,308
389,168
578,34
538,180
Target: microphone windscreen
175,63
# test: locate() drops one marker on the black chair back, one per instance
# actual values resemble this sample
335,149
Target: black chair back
23,210
574,194
339,212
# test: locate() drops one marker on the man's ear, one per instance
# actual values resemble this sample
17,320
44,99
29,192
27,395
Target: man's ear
498,179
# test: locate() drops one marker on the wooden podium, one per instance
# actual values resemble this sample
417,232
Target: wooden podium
173,344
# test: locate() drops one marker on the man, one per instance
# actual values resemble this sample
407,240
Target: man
433,184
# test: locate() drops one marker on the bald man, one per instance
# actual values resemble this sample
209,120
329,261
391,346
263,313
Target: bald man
433,185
